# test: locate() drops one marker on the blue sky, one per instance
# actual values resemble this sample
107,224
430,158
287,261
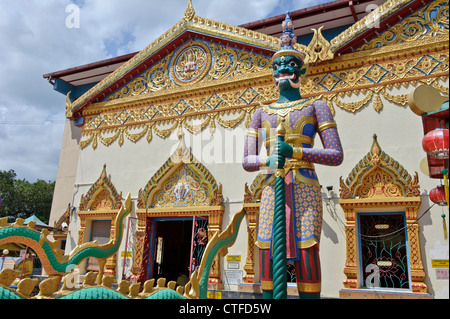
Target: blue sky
34,40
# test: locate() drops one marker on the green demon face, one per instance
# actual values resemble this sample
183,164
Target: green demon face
287,72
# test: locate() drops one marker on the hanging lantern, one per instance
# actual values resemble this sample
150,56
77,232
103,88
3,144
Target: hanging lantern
435,143
437,195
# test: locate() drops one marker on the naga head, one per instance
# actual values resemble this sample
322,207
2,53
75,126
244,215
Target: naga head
287,63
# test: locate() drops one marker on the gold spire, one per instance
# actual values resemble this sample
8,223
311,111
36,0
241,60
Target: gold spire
375,149
189,13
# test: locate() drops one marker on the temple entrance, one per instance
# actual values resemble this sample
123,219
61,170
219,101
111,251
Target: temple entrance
177,246
172,248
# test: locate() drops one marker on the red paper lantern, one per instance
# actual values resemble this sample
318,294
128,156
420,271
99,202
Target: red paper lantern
437,195
435,143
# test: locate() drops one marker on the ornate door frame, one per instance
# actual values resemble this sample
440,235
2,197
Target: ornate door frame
182,187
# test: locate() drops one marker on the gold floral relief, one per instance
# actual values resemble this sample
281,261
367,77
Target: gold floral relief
154,79
102,201
231,62
183,188
378,183
191,63
429,21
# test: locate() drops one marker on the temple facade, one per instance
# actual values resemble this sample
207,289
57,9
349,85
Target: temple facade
168,125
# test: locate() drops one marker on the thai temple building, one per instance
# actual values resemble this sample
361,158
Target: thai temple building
168,125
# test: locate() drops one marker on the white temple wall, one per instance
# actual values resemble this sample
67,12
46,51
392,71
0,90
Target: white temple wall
399,132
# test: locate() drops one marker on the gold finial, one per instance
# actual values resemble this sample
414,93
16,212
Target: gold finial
281,129
69,105
189,13
375,149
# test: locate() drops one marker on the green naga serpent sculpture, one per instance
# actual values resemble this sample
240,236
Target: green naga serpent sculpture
57,265
52,258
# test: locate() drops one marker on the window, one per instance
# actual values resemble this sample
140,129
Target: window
383,248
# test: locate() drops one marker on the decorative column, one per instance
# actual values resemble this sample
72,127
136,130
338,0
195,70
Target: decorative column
139,247
215,226
252,210
350,269
111,262
416,267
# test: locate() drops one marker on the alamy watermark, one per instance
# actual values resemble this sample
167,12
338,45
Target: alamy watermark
373,279
373,18
73,19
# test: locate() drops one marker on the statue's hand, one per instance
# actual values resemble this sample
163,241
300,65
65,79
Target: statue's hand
284,149
274,160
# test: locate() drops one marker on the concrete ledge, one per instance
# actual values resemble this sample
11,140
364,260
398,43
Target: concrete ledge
381,294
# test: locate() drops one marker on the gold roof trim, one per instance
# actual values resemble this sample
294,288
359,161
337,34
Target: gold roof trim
192,22
383,11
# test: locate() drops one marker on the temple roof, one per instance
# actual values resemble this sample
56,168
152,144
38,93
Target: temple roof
347,25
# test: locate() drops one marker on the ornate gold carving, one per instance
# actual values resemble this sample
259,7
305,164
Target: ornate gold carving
238,81
431,20
68,105
231,62
189,13
378,175
152,80
319,48
102,195
177,183
367,22
379,182
266,93
283,109
189,22
191,64
102,200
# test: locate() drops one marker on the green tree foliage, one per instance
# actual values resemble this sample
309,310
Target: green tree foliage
22,199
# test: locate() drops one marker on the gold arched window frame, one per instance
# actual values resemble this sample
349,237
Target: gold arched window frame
378,183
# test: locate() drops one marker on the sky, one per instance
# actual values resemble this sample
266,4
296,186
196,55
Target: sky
40,36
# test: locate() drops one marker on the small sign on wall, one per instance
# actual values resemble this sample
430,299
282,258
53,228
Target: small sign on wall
442,268
233,258
439,263
233,277
441,273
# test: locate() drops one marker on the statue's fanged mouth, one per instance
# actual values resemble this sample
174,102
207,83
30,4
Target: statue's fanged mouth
285,76
289,77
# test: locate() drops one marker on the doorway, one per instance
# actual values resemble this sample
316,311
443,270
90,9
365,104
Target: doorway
172,249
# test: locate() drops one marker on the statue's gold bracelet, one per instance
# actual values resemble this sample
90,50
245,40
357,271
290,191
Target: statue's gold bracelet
298,153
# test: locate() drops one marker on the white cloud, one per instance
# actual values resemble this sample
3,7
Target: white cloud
34,40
